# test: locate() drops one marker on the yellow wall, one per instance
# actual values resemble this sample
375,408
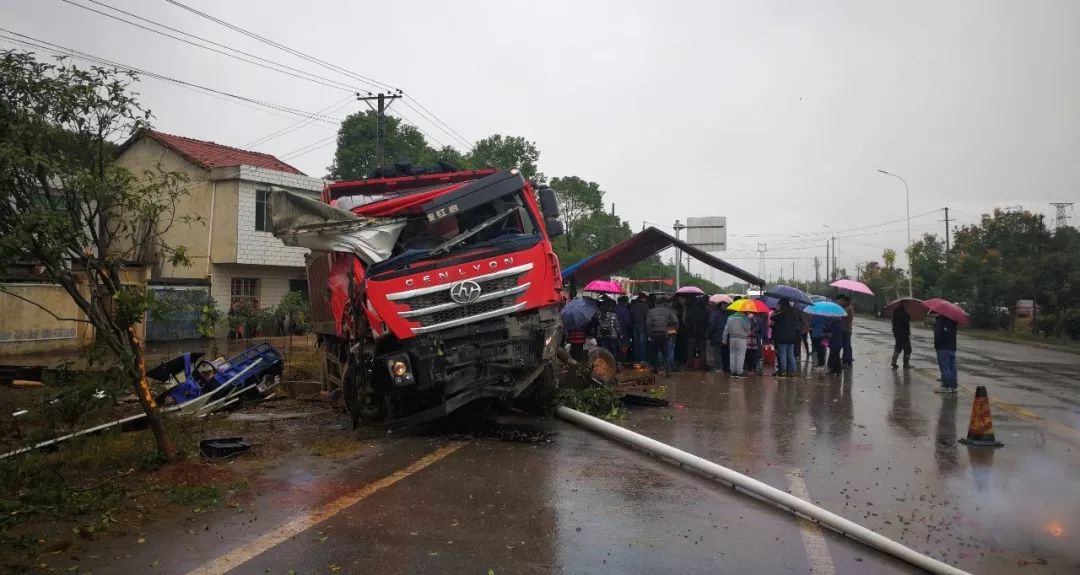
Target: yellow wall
26,328
148,154
226,204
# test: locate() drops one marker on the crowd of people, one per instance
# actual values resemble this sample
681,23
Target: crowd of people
691,333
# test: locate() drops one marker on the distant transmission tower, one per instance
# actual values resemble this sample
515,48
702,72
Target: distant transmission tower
1061,220
761,260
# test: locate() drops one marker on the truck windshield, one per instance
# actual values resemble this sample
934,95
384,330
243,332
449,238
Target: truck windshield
501,219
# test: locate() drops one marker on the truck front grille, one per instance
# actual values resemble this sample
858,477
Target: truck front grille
434,309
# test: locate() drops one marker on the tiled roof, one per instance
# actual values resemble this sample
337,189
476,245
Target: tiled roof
211,155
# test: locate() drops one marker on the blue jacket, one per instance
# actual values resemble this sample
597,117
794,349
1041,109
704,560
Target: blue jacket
717,322
818,326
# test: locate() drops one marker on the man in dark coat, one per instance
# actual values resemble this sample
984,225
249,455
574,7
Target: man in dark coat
901,331
945,345
639,313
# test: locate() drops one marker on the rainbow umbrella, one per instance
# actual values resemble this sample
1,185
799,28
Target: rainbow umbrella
749,306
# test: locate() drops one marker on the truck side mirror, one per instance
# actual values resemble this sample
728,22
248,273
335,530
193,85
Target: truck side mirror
550,206
554,227
548,203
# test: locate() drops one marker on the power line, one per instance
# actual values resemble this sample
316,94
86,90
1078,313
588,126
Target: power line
438,122
77,54
250,58
371,81
296,126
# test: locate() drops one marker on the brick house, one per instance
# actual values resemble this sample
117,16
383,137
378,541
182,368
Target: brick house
235,256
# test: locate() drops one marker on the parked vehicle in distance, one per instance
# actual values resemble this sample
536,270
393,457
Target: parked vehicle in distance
1025,307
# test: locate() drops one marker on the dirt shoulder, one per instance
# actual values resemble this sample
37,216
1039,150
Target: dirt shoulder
58,507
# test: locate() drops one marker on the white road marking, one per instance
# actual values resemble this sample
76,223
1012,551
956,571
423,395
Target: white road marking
817,551
259,545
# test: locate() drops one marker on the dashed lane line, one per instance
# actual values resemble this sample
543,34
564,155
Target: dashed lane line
267,541
817,551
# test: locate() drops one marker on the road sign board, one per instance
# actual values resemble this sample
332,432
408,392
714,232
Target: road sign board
709,234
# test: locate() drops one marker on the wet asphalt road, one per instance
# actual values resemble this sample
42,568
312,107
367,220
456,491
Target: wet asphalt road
875,445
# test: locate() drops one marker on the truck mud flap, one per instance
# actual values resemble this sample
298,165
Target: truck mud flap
465,397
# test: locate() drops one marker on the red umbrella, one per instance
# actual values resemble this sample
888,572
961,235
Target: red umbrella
761,306
948,309
916,308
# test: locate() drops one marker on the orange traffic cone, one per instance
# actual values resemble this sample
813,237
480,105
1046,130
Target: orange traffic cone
981,429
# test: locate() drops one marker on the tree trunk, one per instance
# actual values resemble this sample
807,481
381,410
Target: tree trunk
146,399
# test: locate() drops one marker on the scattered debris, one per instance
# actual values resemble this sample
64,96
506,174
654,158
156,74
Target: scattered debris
262,417
223,447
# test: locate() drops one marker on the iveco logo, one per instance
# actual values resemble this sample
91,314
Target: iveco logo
464,292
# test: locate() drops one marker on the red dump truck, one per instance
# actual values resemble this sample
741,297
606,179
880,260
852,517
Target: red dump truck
431,291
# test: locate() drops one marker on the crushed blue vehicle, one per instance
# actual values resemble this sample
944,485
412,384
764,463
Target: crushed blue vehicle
255,366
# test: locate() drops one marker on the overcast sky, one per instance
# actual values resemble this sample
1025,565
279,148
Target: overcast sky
775,114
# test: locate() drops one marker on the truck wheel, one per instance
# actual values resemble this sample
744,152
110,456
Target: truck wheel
541,395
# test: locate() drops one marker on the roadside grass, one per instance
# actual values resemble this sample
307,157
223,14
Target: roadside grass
89,483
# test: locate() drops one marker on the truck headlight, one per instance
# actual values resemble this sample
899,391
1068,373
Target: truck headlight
399,369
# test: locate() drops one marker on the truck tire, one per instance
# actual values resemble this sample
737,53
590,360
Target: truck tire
541,395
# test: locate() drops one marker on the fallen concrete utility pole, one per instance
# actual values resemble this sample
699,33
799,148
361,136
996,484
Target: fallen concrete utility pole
764,491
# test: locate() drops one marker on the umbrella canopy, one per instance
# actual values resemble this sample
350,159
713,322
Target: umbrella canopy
948,309
578,313
720,298
693,290
915,307
774,303
826,309
852,285
795,295
604,286
746,306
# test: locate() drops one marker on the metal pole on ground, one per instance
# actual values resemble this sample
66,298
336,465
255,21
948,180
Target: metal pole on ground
764,491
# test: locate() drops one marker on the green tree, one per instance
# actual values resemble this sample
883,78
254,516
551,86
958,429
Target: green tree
68,210
505,152
927,265
357,148
577,199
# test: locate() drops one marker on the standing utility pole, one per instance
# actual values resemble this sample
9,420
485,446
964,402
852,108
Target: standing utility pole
678,253
828,262
907,201
817,274
761,260
834,268
380,139
947,227
1061,220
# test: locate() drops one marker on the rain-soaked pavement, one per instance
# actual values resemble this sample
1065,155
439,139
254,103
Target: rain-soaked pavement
875,445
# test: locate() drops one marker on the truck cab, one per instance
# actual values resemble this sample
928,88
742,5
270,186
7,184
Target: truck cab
440,290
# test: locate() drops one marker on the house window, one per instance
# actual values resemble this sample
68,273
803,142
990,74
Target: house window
262,211
245,291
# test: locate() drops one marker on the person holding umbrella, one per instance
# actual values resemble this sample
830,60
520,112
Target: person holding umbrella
661,322
834,330
848,325
949,317
715,334
901,331
736,332
785,336
639,313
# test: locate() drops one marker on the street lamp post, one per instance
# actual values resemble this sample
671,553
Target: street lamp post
907,201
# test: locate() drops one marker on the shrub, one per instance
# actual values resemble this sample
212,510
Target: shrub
1071,323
